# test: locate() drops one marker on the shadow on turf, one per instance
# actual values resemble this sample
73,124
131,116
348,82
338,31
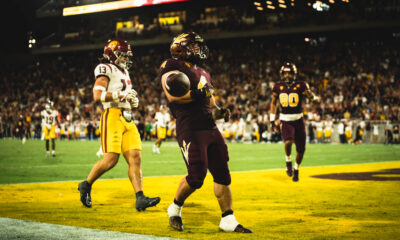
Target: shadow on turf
382,175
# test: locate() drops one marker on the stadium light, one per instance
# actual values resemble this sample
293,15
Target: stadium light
260,8
268,2
271,7
115,5
320,6
282,5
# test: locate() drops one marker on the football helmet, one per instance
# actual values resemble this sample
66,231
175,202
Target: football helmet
189,47
47,107
118,52
288,68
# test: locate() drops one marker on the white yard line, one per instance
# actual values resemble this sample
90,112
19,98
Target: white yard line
22,229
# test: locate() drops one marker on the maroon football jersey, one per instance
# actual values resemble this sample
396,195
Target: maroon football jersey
290,98
195,115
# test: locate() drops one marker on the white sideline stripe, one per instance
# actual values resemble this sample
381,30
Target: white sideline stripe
258,170
24,229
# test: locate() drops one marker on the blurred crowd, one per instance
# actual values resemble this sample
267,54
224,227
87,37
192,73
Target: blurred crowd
356,80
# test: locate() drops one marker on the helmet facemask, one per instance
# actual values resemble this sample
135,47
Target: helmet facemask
189,47
288,73
123,59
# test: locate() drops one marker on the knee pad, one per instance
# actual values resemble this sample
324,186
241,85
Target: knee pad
224,179
193,182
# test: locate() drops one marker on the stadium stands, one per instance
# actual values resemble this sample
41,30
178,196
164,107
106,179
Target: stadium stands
356,74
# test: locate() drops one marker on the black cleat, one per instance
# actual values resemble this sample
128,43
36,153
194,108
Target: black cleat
176,223
144,202
85,188
289,169
295,175
240,229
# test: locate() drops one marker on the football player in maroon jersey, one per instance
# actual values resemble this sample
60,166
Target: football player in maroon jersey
203,148
288,94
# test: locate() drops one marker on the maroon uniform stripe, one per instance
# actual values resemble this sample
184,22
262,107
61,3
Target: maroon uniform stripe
105,131
102,130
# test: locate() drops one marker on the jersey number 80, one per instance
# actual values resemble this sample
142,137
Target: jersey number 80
291,99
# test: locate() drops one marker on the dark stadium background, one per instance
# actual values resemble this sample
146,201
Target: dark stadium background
372,24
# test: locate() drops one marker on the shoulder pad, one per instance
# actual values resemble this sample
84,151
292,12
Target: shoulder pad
103,69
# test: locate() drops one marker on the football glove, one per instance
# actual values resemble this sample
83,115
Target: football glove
275,128
127,95
205,92
224,113
134,102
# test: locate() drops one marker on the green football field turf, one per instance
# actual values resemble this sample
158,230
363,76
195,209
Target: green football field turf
25,163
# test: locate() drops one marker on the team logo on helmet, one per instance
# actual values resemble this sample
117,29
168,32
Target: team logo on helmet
189,47
291,69
118,52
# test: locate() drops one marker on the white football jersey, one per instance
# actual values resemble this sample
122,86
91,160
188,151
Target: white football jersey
328,125
119,80
49,118
162,119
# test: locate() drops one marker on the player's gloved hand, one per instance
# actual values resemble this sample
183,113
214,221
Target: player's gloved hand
316,98
224,113
205,92
127,95
274,127
134,102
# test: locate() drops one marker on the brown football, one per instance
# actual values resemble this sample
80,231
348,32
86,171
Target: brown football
177,84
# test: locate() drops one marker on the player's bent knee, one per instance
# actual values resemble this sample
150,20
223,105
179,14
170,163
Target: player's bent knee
194,183
226,180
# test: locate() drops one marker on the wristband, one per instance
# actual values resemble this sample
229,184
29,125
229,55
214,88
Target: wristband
115,95
103,96
101,88
271,117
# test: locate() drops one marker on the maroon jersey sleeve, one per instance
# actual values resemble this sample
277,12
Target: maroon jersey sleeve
275,89
304,87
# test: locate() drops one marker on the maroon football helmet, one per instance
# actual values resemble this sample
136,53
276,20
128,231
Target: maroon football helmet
288,68
118,52
189,47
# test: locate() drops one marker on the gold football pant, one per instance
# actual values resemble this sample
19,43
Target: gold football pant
49,133
118,135
161,132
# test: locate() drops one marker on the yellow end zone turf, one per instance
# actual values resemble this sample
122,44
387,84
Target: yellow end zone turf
268,202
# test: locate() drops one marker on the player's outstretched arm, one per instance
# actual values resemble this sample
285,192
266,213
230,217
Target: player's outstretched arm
310,95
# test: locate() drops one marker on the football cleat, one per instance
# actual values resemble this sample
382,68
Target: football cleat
174,214
85,188
240,229
176,223
295,175
289,169
144,202
229,224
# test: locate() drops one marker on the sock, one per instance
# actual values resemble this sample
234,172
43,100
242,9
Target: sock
296,166
288,158
226,213
180,204
139,194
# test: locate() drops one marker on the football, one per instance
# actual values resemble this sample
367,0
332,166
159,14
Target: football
177,84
